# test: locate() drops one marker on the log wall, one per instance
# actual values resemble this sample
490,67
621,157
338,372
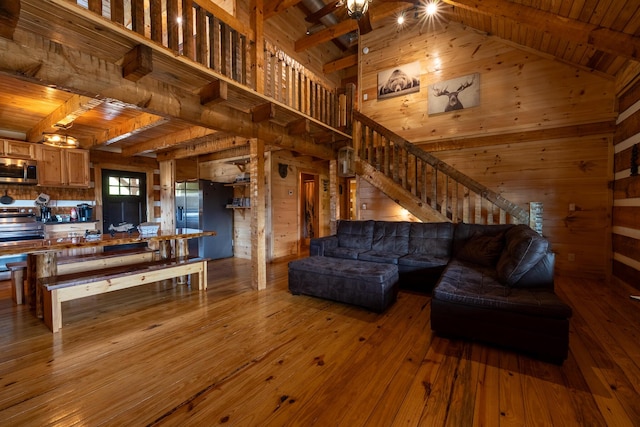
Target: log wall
521,94
626,194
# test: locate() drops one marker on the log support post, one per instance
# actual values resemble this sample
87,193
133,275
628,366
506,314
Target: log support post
258,211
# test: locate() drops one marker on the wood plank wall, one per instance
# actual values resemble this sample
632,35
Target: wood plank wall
282,196
521,93
626,203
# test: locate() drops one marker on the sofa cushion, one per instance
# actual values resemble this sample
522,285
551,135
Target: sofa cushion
386,257
482,249
470,284
463,232
344,253
355,234
420,260
391,237
523,249
431,238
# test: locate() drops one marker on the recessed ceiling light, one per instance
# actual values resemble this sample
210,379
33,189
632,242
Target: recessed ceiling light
432,8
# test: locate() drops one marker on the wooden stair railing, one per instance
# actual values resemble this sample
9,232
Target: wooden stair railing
209,36
427,187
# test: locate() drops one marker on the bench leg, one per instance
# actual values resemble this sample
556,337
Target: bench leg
52,310
17,286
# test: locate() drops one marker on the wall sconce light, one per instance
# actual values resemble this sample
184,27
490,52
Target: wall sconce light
357,8
57,140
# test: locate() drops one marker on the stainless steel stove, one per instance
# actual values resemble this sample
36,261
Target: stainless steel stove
16,226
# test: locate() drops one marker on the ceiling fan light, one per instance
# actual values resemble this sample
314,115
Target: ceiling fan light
357,8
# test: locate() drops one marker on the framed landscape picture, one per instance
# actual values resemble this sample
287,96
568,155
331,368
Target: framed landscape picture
399,80
455,94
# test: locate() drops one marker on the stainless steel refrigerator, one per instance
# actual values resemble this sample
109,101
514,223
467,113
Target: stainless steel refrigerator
202,204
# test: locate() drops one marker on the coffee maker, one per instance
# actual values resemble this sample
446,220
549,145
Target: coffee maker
85,212
45,213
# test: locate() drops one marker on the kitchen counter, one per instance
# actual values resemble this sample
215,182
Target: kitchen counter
67,222
52,245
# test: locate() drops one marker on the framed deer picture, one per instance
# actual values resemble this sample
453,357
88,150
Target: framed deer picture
455,94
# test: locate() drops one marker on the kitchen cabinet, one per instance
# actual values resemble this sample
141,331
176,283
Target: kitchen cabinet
63,167
19,149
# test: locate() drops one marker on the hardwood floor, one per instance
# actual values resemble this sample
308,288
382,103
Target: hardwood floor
164,355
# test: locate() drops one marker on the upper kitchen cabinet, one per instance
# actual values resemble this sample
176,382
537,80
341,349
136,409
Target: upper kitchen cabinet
19,149
62,167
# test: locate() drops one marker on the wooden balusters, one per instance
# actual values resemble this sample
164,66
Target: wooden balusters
435,184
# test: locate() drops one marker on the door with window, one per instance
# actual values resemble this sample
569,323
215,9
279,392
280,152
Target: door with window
124,198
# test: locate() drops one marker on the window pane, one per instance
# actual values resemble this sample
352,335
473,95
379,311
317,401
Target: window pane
124,191
135,191
113,180
134,182
114,191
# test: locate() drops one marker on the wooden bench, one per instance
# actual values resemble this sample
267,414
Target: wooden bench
67,287
73,264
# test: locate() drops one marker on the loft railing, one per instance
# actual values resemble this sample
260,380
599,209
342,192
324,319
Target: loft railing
197,32
436,184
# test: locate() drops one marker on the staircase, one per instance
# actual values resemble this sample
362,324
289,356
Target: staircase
428,188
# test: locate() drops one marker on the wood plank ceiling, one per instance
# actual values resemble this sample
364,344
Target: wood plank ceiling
599,35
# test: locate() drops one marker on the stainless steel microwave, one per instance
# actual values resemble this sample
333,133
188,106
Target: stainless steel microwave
18,171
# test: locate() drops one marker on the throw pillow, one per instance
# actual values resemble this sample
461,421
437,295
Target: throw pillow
482,249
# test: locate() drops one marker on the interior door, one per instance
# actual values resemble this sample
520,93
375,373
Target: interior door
309,221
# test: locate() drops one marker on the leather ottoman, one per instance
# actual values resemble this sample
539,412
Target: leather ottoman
366,284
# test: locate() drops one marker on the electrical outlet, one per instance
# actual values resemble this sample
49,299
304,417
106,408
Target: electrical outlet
572,257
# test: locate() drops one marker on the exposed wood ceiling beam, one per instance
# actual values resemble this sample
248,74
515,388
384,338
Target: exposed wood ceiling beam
600,38
232,153
33,59
376,13
167,141
62,116
340,64
205,145
316,16
131,127
274,7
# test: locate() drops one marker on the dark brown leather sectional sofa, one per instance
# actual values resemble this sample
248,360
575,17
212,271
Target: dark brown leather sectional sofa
492,283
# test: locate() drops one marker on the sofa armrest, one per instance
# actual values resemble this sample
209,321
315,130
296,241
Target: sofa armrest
540,275
318,245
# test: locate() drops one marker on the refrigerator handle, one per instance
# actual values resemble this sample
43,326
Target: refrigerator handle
180,209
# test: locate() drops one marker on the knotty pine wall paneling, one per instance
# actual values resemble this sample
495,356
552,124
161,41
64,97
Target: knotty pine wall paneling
520,91
626,194
285,200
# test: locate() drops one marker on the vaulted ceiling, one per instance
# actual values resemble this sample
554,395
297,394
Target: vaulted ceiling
597,35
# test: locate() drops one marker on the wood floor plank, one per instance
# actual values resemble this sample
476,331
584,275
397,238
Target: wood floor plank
487,410
164,354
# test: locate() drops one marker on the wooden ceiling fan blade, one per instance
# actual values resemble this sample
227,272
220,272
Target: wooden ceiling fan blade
364,24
